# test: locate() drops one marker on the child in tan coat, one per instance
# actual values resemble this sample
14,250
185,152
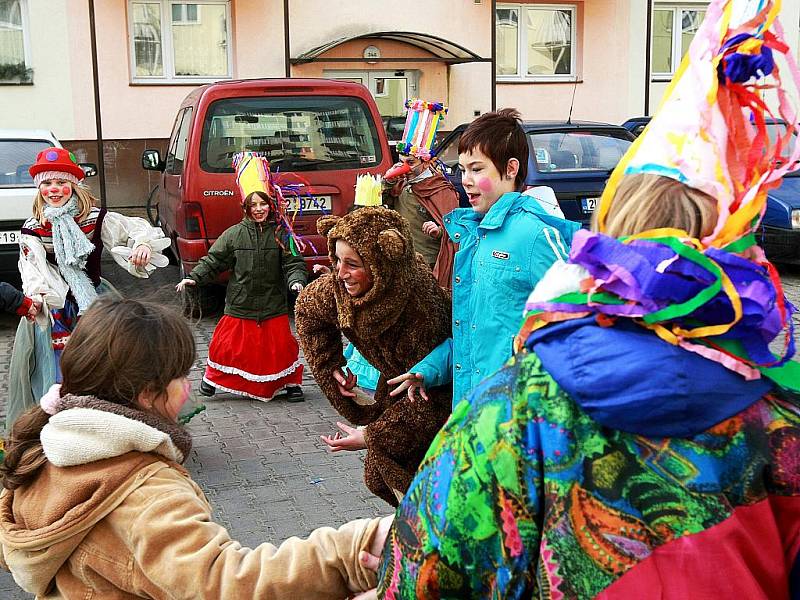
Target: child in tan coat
97,505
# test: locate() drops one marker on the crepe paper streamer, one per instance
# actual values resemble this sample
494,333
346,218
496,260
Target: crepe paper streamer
184,419
691,296
422,123
724,150
369,189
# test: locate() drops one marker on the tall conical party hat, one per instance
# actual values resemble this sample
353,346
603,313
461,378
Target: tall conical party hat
710,131
422,122
718,296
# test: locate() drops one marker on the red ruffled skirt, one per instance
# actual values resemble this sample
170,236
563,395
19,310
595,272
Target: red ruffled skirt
252,359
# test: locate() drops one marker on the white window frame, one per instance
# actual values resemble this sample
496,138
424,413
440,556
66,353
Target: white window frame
167,49
677,31
26,34
522,43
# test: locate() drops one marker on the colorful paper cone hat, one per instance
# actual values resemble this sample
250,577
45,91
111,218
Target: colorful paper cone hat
253,175
711,131
422,122
717,296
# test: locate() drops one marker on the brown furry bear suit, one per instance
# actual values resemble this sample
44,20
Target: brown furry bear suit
396,323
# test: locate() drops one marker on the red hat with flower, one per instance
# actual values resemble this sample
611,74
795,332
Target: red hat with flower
53,161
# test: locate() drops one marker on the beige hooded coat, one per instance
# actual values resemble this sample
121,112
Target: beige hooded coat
133,524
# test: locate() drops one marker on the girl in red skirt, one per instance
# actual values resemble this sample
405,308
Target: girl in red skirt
253,352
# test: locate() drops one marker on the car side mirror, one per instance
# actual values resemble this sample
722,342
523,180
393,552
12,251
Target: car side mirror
89,169
151,161
453,170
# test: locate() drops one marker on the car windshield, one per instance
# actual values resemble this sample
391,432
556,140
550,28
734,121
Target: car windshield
295,133
16,156
579,150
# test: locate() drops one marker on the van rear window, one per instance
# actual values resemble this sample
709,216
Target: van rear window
302,133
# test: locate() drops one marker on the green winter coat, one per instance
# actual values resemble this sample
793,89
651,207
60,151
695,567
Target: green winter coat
261,272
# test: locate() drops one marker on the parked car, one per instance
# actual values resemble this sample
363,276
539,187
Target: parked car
779,233
636,125
394,127
316,132
18,150
575,159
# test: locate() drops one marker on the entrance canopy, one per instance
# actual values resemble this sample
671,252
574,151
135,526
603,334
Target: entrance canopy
442,49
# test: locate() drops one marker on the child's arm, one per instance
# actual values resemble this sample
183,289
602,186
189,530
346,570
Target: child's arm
14,301
134,244
220,258
41,281
294,270
177,546
432,371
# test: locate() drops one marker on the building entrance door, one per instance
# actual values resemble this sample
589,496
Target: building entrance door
390,89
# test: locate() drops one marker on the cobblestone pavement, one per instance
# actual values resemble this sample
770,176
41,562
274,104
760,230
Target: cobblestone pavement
262,465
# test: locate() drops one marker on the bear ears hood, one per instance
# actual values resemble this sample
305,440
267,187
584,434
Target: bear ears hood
382,238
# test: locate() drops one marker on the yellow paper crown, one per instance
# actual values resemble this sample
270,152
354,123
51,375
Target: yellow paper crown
368,190
252,175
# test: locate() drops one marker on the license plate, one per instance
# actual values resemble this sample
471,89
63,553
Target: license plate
9,237
589,204
310,204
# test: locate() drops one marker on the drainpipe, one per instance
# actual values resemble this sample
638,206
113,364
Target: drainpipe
494,54
98,119
287,64
648,58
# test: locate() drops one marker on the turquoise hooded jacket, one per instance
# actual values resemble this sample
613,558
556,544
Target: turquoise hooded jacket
502,255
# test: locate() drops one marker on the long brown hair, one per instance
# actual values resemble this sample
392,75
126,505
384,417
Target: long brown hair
119,349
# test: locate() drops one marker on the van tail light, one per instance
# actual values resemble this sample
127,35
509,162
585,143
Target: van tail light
193,221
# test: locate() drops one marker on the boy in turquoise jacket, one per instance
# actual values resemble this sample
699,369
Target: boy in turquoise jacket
506,243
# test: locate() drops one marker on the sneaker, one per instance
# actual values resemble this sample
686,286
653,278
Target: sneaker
294,393
206,389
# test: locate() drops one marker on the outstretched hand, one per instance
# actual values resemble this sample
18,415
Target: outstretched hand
411,382
353,440
183,283
371,559
140,255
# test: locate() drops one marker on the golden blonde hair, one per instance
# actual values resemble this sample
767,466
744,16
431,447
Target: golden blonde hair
82,196
644,201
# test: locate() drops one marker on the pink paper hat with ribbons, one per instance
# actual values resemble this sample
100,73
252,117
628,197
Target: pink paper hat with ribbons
710,131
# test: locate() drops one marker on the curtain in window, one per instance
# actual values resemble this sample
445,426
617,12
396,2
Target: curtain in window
200,46
549,42
12,43
148,55
507,26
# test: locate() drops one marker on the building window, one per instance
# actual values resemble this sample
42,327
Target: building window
179,41
535,41
14,61
674,27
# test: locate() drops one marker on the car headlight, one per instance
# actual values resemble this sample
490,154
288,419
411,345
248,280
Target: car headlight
796,218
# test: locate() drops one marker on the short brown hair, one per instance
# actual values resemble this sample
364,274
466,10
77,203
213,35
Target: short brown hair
644,201
119,349
499,135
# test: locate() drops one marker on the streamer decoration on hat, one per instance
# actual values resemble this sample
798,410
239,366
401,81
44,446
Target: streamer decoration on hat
717,296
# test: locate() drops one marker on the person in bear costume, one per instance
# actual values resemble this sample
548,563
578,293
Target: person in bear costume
394,317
